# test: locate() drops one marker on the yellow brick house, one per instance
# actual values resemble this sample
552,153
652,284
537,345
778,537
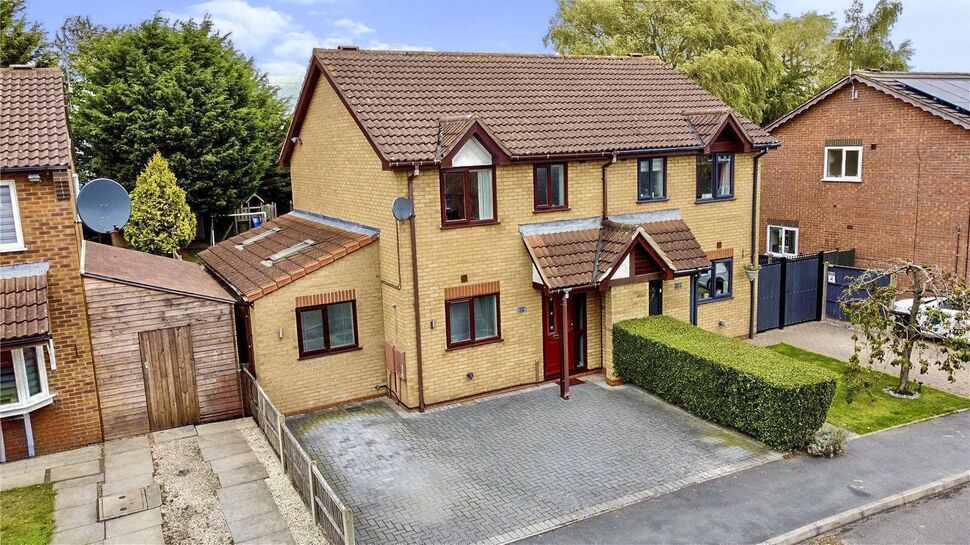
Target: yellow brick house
552,196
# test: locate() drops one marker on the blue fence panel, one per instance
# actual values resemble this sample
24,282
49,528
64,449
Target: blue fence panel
839,279
801,291
769,296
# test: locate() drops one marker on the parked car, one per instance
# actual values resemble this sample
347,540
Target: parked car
932,323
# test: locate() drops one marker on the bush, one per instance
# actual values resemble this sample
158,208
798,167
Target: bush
764,394
827,442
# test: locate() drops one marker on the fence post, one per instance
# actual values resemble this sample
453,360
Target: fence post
784,288
349,537
313,498
822,284
279,433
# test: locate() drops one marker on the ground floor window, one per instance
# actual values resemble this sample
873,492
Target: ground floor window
782,241
715,283
472,320
325,329
23,378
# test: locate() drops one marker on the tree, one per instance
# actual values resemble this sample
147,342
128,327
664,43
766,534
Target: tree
73,34
802,45
161,221
899,334
864,41
181,89
22,41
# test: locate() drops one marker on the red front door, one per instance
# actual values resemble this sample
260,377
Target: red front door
552,331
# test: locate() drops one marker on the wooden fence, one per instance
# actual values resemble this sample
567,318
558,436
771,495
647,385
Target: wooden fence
334,518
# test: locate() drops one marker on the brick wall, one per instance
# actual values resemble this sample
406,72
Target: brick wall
914,198
51,235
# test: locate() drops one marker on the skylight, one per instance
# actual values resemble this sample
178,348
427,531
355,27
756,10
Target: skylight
283,254
258,237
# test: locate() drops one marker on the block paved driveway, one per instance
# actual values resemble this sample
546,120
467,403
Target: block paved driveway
515,465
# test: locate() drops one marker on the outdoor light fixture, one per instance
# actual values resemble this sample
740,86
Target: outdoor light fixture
33,177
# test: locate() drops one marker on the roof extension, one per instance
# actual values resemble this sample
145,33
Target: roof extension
33,119
413,105
282,250
153,272
895,85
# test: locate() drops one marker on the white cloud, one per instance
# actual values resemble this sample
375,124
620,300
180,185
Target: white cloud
284,68
352,27
294,45
377,44
250,27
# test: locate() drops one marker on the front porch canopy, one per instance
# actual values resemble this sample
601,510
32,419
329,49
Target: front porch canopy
588,253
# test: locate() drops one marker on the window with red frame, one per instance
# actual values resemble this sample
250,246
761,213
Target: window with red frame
550,189
468,196
326,329
472,320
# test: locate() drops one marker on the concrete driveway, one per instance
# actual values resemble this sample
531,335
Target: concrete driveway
834,339
510,466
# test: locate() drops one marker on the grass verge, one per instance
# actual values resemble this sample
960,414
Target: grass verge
865,414
28,515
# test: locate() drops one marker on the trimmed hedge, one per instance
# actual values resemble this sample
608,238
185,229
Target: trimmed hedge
754,390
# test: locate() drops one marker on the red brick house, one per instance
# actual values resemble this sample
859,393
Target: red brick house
879,162
48,396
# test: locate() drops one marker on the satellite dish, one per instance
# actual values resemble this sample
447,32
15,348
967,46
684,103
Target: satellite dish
104,206
402,208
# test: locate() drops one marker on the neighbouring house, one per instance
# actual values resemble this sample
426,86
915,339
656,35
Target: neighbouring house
48,396
164,341
552,197
878,162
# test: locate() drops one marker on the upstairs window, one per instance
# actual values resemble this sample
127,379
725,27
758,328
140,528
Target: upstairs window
467,196
782,241
715,283
472,320
715,176
23,378
550,187
11,233
843,164
652,179
325,329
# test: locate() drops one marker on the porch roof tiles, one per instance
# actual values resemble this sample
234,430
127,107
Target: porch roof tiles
25,314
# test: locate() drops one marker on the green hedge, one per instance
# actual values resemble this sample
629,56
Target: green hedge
754,390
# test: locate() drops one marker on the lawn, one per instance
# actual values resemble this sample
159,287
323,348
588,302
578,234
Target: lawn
865,415
28,515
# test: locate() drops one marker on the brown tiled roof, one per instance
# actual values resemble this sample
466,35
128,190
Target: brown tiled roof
533,104
242,265
566,253
151,272
33,119
25,314
888,82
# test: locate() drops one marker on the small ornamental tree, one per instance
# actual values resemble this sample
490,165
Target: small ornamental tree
934,330
161,221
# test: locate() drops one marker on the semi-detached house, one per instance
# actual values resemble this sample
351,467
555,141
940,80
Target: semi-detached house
552,197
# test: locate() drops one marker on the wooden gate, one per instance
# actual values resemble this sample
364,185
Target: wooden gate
169,370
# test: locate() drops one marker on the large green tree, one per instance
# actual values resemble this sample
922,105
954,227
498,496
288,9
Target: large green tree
724,45
864,41
22,41
181,89
803,46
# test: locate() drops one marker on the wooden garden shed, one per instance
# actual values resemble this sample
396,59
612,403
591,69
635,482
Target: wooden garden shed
163,337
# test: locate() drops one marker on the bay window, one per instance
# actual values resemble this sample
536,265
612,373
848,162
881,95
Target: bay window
782,241
652,179
716,282
550,187
843,164
715,176
326,329
23,379
472,320
468,196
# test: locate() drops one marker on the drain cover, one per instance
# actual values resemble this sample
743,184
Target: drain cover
112,507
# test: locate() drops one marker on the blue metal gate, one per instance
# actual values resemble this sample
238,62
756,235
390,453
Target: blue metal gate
839,279
789,291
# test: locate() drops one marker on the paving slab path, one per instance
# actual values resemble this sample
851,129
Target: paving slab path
760,503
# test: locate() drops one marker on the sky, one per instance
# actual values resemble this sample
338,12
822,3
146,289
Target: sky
279,34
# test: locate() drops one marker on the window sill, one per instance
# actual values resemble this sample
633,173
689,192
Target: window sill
16,409
329,353
13,249
719,199
552,209
786,256
843,180
454,347
447,226
715,300
648,201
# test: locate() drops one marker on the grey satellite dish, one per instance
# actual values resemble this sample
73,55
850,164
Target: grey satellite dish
104,206
402,208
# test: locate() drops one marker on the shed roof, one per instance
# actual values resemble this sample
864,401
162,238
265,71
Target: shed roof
144,270
280,251
33,119
24,291
533,105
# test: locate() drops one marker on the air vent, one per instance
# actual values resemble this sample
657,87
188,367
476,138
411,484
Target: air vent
348,47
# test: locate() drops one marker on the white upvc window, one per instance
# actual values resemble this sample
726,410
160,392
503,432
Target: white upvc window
782,241
23,380
11,232
843,164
